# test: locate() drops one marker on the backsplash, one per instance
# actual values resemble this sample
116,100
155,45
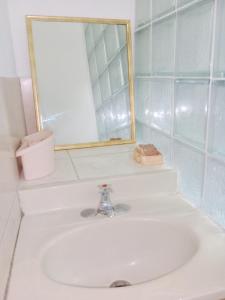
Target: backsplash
180,93
11,129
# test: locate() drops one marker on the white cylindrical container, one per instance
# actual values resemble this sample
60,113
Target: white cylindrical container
37,154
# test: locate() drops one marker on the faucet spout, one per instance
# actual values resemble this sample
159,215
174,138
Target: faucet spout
105,206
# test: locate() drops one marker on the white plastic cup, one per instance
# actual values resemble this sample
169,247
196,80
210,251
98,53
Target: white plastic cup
37,154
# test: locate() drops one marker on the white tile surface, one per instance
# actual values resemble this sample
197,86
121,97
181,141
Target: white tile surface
109,165
63,154
64,172
100,150
6,203
12,128
9,174
82,164
7,245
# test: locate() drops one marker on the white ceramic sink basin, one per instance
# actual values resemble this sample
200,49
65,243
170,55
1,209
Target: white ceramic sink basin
135,250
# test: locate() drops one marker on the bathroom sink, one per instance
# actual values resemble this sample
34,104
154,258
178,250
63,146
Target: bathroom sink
118,250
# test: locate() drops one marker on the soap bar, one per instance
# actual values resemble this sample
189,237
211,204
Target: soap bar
147,150
155,159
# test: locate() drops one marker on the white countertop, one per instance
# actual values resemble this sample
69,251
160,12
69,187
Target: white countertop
203,277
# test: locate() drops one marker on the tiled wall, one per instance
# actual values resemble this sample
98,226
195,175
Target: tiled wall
107,57
11,129
180,93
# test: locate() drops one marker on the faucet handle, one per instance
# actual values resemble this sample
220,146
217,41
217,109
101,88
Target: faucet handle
105,187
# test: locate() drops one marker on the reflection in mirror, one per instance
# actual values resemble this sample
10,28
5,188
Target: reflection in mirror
82,80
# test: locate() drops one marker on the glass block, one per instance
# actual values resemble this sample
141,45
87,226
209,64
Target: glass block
124,60
97,95
105,86
190,167
109,118
114,117
101,123
163,46
116,74
146,134
121,110
122,34
161,93
161,7
214,202
139,132
194,34
93,68
142,52
111,41
101,56
89,39
124,133
97,31
219,63
142,97
85,26
183,2
191,99
217,120
163,143
143,11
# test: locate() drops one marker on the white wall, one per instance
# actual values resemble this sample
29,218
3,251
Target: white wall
7,63
118,9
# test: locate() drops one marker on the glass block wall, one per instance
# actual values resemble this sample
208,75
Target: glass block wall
180,93
108,65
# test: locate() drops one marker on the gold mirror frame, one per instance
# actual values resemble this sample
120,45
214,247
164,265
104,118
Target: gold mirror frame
127,23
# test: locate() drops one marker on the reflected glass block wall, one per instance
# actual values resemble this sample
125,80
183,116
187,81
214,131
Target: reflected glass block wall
108,65
180,93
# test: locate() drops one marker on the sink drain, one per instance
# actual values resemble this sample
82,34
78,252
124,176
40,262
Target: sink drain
120,283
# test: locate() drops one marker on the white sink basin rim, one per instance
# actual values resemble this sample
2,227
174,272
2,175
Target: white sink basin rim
134,250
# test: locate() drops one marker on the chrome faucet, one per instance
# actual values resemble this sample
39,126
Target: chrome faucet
105,206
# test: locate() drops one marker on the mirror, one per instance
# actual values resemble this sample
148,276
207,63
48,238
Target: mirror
82,80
